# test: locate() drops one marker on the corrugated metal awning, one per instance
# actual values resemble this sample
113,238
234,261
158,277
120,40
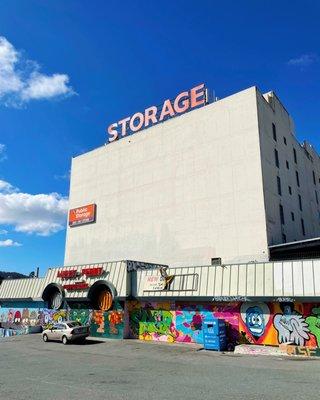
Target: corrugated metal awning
21,289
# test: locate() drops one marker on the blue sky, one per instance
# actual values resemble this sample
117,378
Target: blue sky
70,68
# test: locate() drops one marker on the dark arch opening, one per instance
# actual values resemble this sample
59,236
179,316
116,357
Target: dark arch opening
53,294
101,295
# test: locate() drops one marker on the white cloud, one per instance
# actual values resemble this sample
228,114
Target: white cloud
6,187
21,81
41,214
9,243
3,155
304,60
45,87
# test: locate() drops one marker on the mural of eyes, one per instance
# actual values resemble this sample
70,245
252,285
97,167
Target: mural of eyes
17,317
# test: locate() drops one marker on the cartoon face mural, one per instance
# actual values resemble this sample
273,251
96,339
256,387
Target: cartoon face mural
255,321
33,318
25,316
255,317
83,316
17,317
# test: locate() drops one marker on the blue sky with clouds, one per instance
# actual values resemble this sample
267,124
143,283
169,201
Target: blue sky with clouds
70,68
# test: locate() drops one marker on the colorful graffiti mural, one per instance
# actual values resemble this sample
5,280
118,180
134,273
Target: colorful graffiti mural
152,321
29,320
83,316
107,324
247,322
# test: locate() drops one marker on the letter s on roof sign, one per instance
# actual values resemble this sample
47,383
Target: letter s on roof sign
113,132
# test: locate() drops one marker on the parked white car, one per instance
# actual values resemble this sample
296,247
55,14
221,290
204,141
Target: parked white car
66,332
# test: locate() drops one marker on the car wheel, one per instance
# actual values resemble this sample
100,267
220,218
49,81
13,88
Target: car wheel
45,338
64,340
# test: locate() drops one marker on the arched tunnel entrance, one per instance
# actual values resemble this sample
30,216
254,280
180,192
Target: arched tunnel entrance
101,295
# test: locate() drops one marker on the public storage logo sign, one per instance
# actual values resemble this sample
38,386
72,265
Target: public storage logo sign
184,102
82,215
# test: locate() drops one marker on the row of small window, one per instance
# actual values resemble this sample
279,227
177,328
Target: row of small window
276,155
290,190
292,219
274,132
276,158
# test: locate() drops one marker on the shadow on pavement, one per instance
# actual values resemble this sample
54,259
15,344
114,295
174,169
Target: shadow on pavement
87,342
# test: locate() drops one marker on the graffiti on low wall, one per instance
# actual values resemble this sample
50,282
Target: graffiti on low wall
17,321
25,319
108,324
151,321
83,316
277,323
303,351
247,322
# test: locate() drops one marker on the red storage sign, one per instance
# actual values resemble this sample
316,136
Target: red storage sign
82,215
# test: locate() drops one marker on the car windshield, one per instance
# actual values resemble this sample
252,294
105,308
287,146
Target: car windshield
73,324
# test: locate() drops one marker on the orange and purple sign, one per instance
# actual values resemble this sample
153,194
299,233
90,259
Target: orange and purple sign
184,102
82,215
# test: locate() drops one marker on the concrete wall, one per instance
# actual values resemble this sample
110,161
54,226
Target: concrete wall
183,191
270,110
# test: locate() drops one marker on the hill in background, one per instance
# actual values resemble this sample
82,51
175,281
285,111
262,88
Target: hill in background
11,275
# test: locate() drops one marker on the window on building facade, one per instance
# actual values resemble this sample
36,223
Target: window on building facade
274,132
290,190
287,164
276,157
300,202
292,216
297,178
284,140
284,238
314,177
279,185
317,199
281,214
295,155
302,227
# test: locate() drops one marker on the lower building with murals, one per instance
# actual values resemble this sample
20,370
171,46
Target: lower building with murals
262,303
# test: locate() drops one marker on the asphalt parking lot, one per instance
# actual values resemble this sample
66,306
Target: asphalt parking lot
32,369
